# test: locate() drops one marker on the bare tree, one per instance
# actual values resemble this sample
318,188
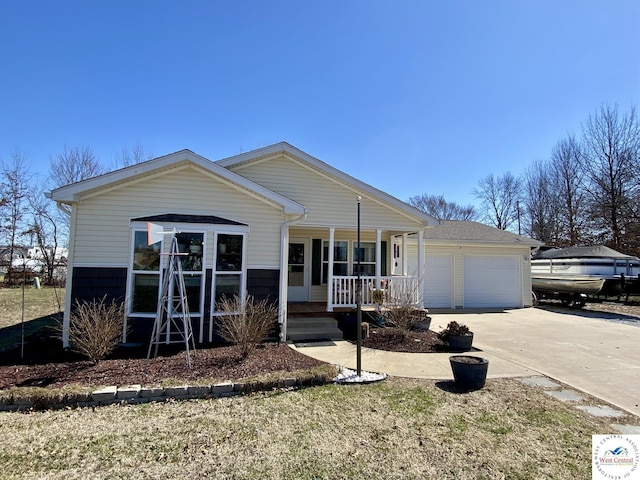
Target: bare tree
45,227
133,156
438,207
499,197
73,165
14,187
610,162
541,202
568,186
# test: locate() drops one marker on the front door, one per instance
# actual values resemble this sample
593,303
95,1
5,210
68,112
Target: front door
298,270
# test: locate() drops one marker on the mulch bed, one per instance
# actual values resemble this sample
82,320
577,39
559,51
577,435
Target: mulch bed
394,340
45,364
222,363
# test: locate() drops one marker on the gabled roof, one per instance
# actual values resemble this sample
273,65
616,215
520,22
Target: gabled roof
286,149
463,231
74,192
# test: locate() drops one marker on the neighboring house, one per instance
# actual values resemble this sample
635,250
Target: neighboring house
277,223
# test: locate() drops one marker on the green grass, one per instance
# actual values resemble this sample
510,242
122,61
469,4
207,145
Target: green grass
38,306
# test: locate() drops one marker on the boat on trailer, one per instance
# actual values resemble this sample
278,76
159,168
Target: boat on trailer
575,274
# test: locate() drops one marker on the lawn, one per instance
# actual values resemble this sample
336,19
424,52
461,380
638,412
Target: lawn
39,306
396,429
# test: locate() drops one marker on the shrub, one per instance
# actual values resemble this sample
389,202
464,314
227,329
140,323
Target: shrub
402,310
245,323
454,329
95,327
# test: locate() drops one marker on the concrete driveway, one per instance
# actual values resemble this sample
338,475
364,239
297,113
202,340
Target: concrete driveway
587,350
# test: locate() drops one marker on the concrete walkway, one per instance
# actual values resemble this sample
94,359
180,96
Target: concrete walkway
583,349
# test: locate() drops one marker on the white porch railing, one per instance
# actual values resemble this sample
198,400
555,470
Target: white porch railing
397,290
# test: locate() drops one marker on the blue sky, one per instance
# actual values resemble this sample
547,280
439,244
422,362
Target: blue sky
410,96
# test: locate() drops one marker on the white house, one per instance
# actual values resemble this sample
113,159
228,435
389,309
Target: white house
277,223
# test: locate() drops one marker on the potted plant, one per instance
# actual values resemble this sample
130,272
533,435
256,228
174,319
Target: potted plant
469,372
458,336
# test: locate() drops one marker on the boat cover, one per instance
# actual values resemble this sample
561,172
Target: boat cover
595,251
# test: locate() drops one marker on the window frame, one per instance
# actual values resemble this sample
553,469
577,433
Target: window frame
354,263
324,262
240,273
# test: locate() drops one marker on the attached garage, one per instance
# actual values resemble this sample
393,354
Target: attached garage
492,282
471,265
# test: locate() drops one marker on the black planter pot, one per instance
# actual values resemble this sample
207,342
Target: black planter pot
469,372
460,343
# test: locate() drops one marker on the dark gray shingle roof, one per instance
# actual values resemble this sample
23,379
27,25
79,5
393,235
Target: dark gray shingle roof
467,231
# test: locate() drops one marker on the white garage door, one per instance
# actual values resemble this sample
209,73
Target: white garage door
492,282
437,289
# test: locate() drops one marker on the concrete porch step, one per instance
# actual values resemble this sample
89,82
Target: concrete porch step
313,328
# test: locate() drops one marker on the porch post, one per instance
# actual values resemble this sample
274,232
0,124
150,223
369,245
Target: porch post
405,255
421,268
332,232
284,281
378,257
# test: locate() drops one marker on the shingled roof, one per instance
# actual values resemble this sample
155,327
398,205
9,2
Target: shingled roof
469,232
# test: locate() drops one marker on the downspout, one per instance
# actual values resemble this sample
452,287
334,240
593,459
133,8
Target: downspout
284,249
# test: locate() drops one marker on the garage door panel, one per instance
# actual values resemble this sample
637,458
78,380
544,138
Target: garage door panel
437,292
491,282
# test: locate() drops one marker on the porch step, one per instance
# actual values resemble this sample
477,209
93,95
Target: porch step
313,328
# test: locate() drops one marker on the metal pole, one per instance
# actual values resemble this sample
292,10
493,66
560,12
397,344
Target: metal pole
359,303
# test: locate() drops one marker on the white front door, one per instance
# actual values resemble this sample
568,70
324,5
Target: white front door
298,270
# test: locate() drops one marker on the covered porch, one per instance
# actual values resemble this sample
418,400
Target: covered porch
327,267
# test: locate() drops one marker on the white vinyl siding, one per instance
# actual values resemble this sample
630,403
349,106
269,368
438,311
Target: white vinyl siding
103,221
329,202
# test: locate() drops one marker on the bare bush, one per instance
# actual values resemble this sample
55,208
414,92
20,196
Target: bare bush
245,323
95,327
401,308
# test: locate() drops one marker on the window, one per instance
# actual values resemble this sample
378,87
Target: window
192,266
146,274
367,256
147,271
225,262
340,260
228,275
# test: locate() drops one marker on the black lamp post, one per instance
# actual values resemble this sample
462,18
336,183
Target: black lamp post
358,302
